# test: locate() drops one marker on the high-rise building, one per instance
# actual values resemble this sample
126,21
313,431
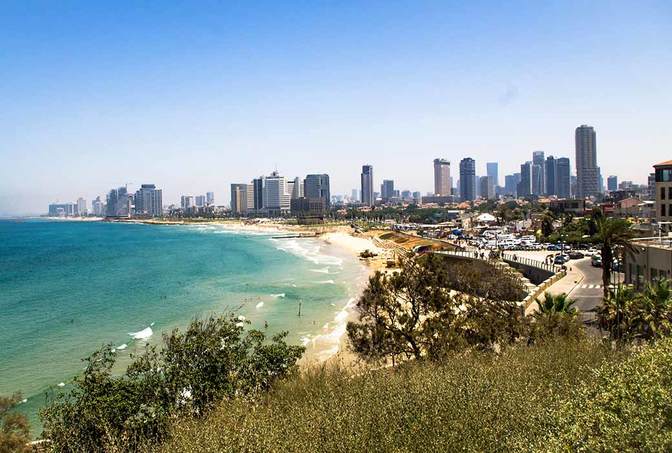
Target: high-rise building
81,206
187,202
239,201
663,176
511,184
492,170
62,210
258,184
525,184
562,171
587,171
387,190
612,183
551,178
210,198
487,187
538,174
295,188
468,179
97,207
118,203
149,201
317,186
355,195
200,201
367,185
443,183
651,193
277,196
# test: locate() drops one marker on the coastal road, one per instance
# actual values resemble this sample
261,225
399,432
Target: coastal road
588,291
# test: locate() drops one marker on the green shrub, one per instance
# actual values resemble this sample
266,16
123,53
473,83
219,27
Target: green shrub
213,359
14,428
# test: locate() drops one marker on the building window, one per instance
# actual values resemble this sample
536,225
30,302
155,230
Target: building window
662,210
662,193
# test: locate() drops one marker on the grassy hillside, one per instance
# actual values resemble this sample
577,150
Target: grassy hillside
471,402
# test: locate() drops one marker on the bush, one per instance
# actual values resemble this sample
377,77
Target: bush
625,407
469,402
14,428
213,359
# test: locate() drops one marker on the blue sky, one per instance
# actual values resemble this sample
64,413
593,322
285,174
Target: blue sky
193,96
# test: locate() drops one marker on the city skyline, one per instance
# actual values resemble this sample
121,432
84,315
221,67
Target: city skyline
98,96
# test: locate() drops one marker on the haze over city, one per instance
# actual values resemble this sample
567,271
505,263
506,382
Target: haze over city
196,97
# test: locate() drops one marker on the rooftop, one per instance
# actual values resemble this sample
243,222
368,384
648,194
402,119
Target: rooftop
667,163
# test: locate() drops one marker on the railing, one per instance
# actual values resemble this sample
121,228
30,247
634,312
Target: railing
494,255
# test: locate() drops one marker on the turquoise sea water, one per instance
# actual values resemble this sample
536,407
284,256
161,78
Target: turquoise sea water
66,288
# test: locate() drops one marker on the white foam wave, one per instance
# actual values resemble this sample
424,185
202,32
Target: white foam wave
143,334
259,305
61,384
308,250
121,347
278,296
327,282
324,270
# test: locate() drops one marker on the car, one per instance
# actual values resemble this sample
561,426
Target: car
575,255
596,261
560,259
553,248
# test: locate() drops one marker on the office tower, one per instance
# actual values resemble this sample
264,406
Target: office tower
442,180
562,171
239,201
81,206
62,209
511,184
355,195
587,172
387,190
249,197
367,185
148,201
276,194
317,186
525,184
551,178
612,183
417,197
295,188
200,201
258,184
538,173
97,206
492,170
468,179
210,198
406,195
118,203
487,187
187,202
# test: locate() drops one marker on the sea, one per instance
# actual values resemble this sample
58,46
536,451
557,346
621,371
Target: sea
69,287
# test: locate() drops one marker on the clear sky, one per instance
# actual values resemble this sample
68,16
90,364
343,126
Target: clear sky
193,96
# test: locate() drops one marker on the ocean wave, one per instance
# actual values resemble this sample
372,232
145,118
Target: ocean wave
121,347
324,270
143,334
326,282
277,296
308,250
259,305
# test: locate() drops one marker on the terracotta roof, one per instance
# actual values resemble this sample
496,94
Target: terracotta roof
667,163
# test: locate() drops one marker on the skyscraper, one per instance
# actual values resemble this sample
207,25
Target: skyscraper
317,186
239,198
538,173
149,201
81,206
443,183
210,198
487,187
367,185
258,184
276,194
511,184
468,179
612,183
551,178
200,201
387,190
587,172
525,184
562,171
492,170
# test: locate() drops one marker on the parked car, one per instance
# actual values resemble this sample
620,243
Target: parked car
560,259
553,248
596,261
575,255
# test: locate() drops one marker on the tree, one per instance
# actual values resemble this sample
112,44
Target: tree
556,316
547,223
612,234
14,428
416,314
213,359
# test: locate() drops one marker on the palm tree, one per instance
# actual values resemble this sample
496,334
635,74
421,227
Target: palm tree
560,303
613,233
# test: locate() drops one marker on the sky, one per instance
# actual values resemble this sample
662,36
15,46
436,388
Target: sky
193,96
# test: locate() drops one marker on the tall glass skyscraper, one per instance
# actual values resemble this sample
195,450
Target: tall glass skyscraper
468,179
587,172
367,185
